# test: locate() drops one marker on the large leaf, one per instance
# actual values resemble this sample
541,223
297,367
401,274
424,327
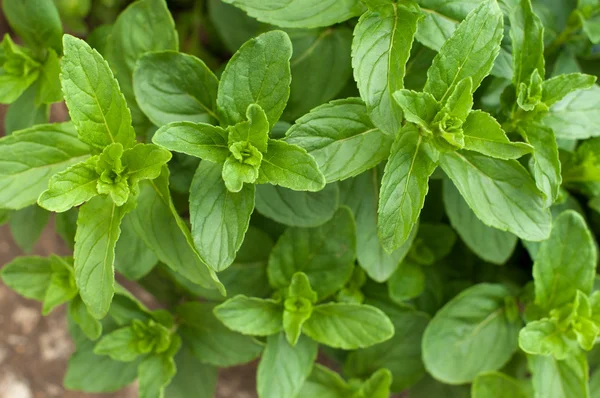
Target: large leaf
341,138
559,379
37,22
575,116
500,192
380,49
472,323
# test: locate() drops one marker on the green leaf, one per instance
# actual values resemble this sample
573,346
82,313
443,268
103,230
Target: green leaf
96,105
590,25
195,139
496,385
527,34
298,305
575,116
175,87
211,342
544,337
223,16
255,130
18,70
290,166
27,225
259,73
156,371
546,164
378,385
559,379
565,263
297,208
34,155
490,244
325,254
401,354
361,194
429,387
24,113
133,259
473,322
193,378
98,229
511,201
324,383
72,187
558,87
321,67
381,47
283,369
300,13
348,326
419,108
341,138
49,81
219,217
484,134
403,188
408,281
252,316
37,22
78,313
120,345
157,222
28,276
62,286
469,52
143,27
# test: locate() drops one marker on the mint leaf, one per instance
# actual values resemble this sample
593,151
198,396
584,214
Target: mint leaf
98,229
484,134
558,87
469,52
144,162
28,276
419,108
175,87
35,155
496,385
192,377
195,139
565,262
404,187
473,321
575,116
407,282
252,316
283,369
254,131
133,258
259,73
325,254
49,81
62,285
290,166
561,379
297,208
37,22
144,27
26,226
78,313
348,326
517,205
341,138
381,47
19,70
156,371
300,13
121,345
219,217
527,34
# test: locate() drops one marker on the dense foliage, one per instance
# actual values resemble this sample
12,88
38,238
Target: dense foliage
408,188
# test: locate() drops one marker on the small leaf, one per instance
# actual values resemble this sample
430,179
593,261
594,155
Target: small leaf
28,276
575,116
559,379
527,34
156,371
558,87
252,316
195,139
419,108
496,385
120,345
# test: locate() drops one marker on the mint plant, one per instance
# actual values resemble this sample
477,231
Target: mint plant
355,198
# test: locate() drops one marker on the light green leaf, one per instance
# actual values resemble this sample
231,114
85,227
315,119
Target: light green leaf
297,208
144,26
543,337
527,34
378,385
34,155
193,378
259,73
559,379
496,385
62,286
408,281
576,115
28,276
473,322
195,139
591,25
348,326
381,47
27,225
419,108
404,187
18,70
252,316
565,263
321,67
255,130
283,369
325,254
290,166
49,81
219,217
484,134
157,222
71,187
300,13
469,52
144,162
37,22
120,345
211,342
546,166
96,105
500,192
156,371
78,313
341,138
98,229
490,244
558,87
175,87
